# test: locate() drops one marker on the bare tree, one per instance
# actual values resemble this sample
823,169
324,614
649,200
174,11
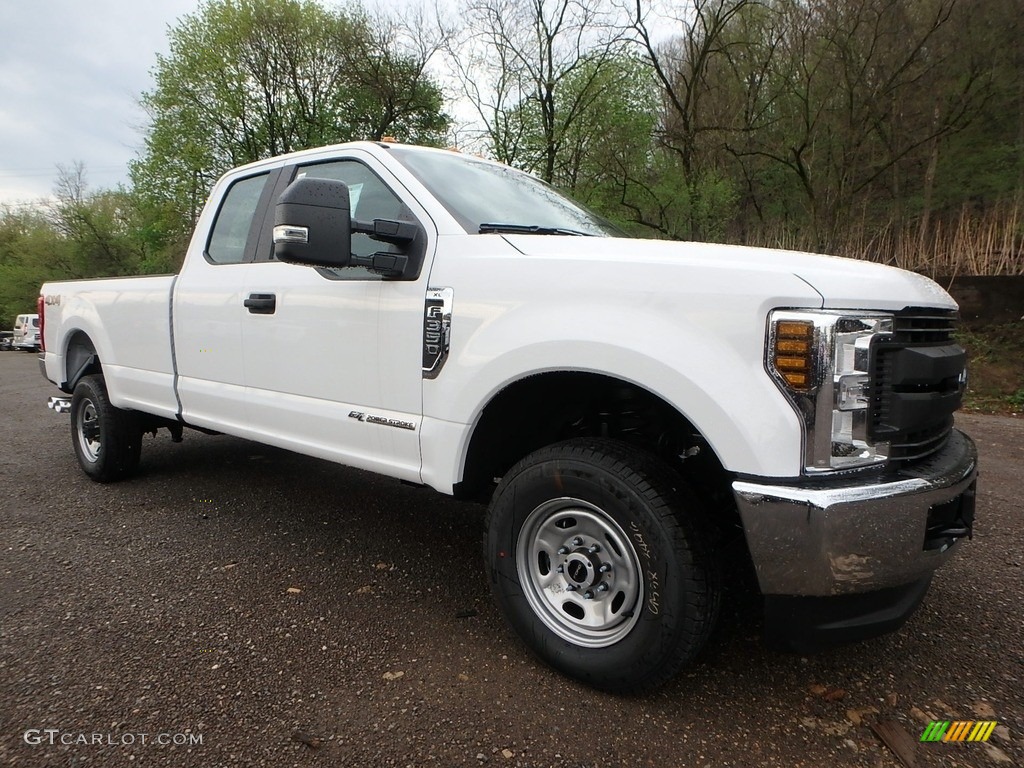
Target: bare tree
531,70
859,98
701,43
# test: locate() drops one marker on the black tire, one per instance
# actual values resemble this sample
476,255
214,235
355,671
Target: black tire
549,510
107,440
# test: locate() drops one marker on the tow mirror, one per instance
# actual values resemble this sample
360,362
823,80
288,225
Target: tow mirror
312,224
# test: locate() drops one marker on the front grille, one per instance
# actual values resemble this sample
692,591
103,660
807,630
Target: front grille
916,384
936,327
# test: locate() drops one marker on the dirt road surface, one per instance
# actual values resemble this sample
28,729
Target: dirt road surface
264,609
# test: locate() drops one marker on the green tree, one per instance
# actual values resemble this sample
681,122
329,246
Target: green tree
984,163
612,158
79,233
249,79
98,229
611,138
30,251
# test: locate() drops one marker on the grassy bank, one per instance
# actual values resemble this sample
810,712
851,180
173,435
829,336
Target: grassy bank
995,367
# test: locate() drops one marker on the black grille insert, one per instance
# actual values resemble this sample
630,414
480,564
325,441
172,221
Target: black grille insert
926,327
916,383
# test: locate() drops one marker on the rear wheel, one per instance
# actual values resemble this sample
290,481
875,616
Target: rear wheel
598,559
107,440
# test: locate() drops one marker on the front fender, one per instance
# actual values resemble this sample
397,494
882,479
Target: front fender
708,365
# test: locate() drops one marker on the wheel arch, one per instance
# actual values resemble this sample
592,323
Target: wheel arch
80,359
545,408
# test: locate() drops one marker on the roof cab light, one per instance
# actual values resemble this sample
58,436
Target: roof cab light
820,360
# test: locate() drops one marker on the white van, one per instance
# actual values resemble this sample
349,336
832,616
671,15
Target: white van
26,332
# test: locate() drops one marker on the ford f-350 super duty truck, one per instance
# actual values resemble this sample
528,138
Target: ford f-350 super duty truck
628,406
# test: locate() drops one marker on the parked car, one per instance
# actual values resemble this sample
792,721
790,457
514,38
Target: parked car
6,340
26,333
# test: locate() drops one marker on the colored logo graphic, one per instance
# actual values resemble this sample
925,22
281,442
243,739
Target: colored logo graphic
959,730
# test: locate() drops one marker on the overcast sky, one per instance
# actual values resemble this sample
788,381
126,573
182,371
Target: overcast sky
71,73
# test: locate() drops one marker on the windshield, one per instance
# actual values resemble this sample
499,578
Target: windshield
485,197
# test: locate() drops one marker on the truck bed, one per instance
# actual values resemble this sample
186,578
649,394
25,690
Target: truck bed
128,321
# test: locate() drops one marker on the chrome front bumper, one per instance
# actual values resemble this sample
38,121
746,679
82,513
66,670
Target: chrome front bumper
848,537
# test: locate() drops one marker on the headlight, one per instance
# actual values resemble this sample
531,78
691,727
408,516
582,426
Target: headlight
820,360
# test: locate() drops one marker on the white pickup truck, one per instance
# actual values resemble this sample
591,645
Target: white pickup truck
628,406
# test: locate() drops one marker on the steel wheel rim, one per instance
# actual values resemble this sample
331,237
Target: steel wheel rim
589,597
88,431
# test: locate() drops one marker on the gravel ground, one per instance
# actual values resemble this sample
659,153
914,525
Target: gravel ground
286,611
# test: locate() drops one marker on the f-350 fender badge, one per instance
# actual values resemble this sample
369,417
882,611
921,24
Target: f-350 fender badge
437,330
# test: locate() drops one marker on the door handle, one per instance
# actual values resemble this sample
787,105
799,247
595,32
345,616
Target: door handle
261,303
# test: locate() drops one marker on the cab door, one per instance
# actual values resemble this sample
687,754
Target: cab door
208,307
333,359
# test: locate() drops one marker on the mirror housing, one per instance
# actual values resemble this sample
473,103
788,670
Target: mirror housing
312,224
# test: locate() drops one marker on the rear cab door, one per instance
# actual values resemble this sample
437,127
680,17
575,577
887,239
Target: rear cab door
207,304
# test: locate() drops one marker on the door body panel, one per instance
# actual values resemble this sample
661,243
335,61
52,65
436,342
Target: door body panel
335,371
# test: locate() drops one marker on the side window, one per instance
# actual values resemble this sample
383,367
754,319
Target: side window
369,198
234,220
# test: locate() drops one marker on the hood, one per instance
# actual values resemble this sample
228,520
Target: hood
842,283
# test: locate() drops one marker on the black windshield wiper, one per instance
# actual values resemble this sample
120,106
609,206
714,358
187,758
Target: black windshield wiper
529,229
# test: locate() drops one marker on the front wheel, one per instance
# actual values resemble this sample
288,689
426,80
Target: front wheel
598,560
107,440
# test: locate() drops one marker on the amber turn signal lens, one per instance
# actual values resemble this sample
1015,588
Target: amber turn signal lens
795,329
791,363
796,380
793,354
793,346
